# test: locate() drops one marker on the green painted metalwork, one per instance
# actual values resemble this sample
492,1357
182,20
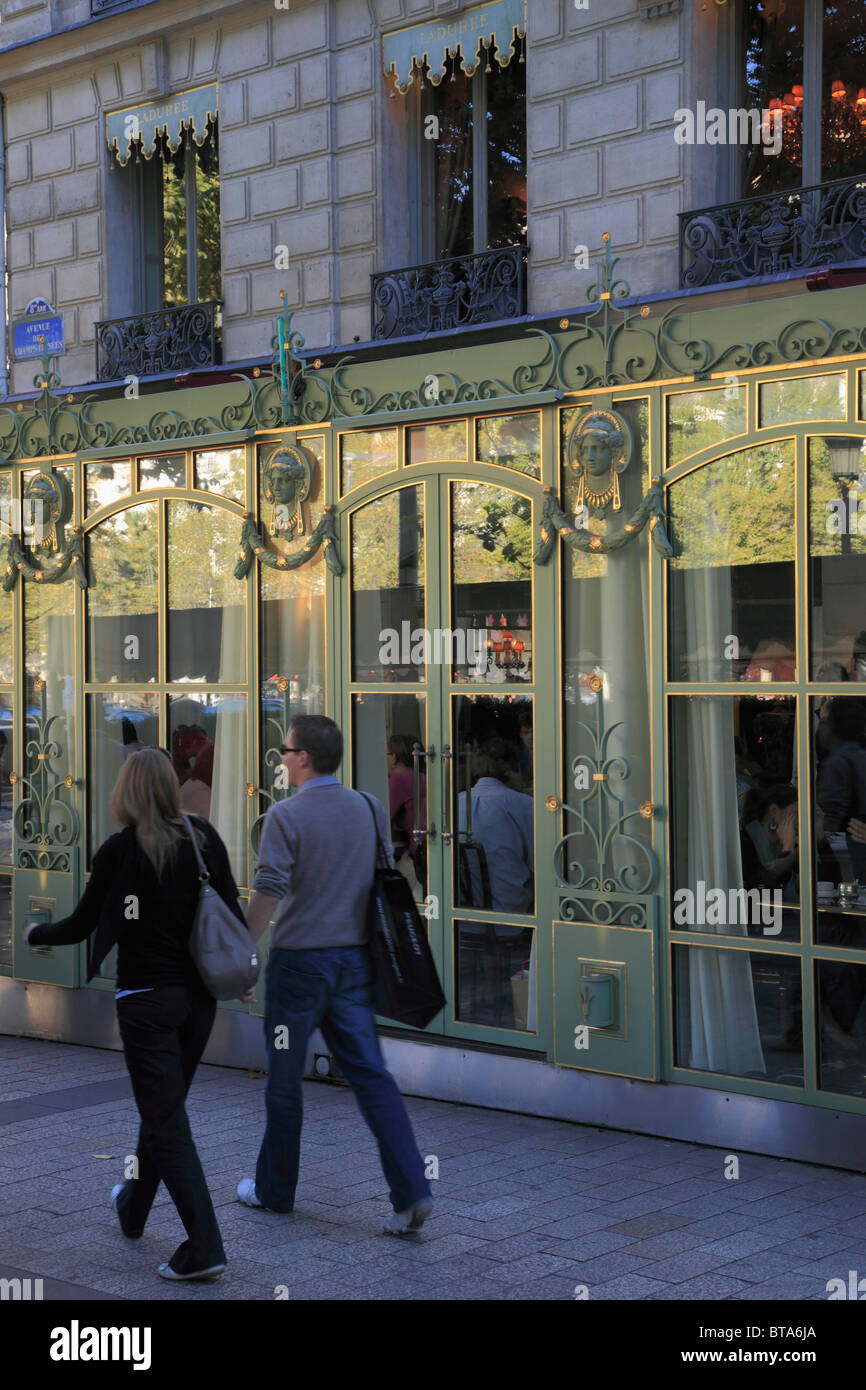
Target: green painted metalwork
272,759
44,840
50,493
602,818
253,546
555,521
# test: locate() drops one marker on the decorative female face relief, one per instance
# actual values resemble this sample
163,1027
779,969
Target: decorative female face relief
599,449
287,481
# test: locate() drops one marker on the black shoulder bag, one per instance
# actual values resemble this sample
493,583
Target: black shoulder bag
407,987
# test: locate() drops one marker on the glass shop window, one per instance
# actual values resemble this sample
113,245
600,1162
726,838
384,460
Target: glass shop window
837,564
732,578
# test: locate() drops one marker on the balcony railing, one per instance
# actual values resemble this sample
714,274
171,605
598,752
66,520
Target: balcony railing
455,293
799,229
165,340
98,7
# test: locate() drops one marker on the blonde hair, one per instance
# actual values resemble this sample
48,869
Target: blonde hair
147,795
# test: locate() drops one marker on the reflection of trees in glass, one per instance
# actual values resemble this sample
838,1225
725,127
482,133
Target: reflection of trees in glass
699,419
738,511
364,454
834,493
511,441
437,443
491,534
805,398
202,546
174,220
383,549
122,556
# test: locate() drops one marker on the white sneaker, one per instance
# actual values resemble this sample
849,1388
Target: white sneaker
166,1272
247,1194
405,1223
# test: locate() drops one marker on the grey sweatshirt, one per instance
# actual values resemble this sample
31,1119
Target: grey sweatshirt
317,855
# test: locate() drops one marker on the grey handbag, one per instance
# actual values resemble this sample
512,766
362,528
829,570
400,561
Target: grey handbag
219,943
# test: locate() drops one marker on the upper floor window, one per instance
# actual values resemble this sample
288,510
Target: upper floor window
168,214
806,59
466,83
473,169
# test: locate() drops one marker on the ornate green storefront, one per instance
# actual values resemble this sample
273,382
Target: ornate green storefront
615,569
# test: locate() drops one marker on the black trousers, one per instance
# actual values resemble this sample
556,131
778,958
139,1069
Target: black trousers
164,1033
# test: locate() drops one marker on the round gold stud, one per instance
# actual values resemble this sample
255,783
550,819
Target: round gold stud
553,803
250,789
13,778
563,323
605,236
283,684
595,684
647,810
645,311
69,780
38,684
317,363
257,371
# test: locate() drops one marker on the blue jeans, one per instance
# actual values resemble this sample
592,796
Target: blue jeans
333,990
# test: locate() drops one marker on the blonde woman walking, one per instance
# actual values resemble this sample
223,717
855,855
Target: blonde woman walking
142,896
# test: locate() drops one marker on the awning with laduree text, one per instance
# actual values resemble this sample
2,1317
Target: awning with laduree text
492,27
194,110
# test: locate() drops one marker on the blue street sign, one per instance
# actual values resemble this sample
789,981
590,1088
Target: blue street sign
26,333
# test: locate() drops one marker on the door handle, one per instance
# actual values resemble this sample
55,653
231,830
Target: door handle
447,772
419,755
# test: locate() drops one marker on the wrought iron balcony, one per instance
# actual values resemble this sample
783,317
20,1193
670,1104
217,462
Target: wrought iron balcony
455,293
165,340
99,7
799,229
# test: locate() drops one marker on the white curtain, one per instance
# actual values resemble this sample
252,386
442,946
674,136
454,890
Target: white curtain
228,792
722,1014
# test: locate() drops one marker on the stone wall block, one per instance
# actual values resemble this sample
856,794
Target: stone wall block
54,242
76,192
635,46
248,246
565,67
275,94
638,163
52,154
277,192
356,174
544,127
27,115
245,50
305,234
298,136
355,122
298,32
599,115
555,181
242,150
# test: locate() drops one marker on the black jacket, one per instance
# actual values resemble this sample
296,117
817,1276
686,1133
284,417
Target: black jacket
840,787
148,918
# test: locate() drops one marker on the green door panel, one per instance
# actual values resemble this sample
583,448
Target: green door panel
43,896
604,984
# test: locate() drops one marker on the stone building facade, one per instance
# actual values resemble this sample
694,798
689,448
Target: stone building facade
315,155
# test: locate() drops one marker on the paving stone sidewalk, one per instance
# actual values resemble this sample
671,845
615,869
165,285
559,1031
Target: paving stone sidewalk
525,1208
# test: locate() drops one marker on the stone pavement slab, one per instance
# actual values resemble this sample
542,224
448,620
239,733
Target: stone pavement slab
526,1208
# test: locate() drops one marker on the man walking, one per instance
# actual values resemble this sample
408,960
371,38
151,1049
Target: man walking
316,862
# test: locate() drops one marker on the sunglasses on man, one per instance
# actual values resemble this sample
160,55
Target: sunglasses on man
284,749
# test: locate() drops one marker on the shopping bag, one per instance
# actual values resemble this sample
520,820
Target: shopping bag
407,988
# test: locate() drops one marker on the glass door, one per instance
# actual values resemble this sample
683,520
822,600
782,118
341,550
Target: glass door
451,677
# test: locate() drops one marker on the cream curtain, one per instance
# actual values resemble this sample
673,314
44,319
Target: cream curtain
722,1014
